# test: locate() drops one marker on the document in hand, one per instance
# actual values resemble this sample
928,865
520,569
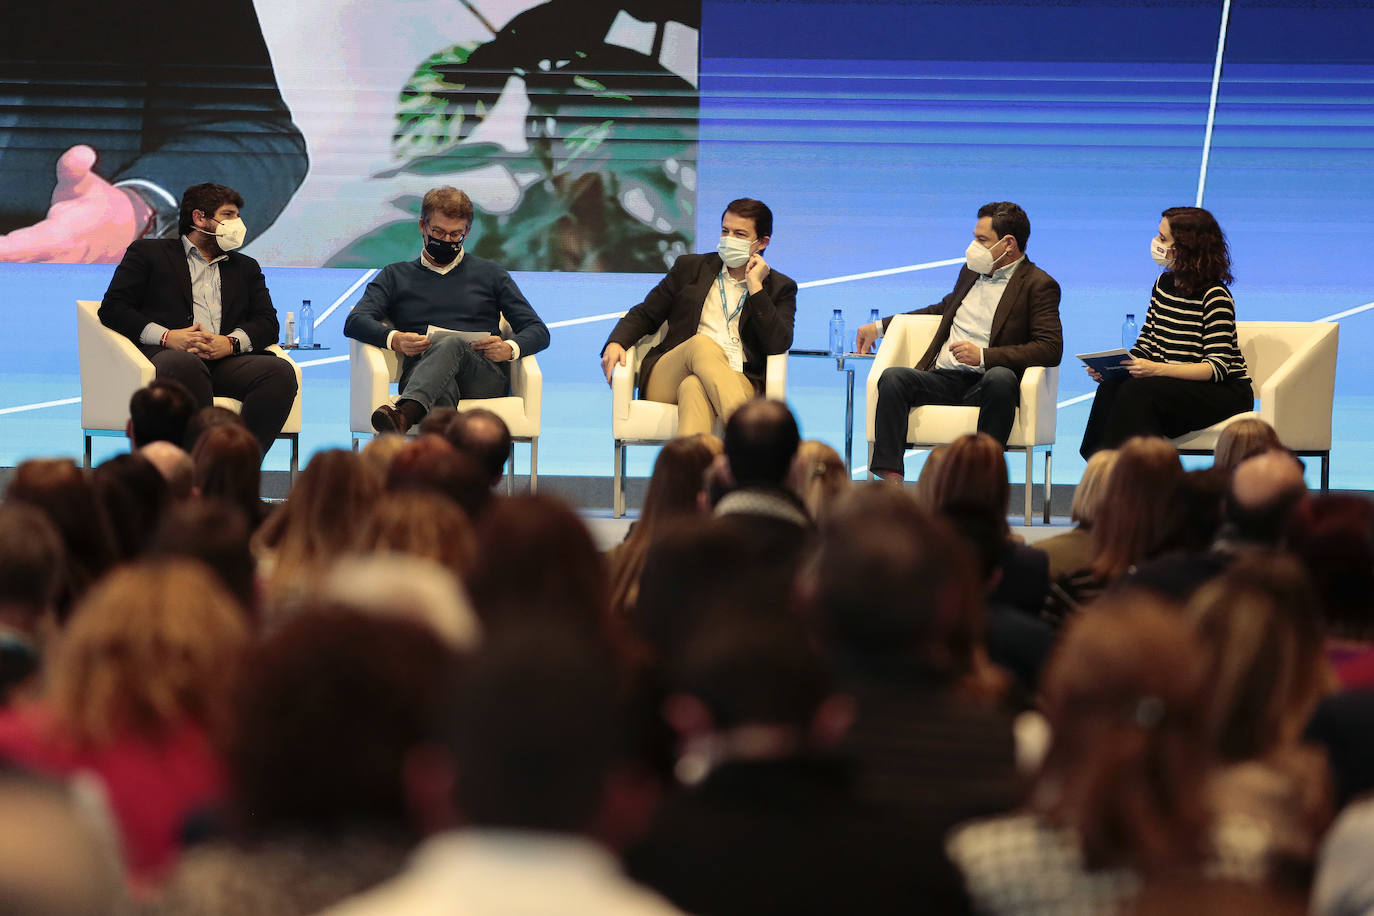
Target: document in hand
435,333
1106,362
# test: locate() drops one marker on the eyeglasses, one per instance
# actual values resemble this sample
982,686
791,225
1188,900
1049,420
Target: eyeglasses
443,236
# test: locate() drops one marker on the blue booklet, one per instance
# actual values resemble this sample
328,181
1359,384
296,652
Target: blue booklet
1107,362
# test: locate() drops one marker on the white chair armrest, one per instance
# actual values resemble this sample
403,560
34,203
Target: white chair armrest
775,378
1296,399
293,419
1038,412
369,384
623,385
905,341
112,368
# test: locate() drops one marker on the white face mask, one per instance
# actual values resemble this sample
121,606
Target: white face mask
1160,254
978,258
734,252
230,234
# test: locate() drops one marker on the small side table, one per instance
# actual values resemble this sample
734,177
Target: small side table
843,363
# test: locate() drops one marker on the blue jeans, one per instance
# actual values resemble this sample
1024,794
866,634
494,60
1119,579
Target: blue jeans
450,371
995,393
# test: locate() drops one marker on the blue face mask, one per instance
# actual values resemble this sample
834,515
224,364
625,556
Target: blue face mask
734,252
441,251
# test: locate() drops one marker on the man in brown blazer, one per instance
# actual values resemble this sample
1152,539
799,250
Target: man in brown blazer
727,312
1002,317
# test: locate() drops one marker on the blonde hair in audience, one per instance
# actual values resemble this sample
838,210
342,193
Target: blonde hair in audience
1243,439
381,450
1088,494
152,645
818,477
418,525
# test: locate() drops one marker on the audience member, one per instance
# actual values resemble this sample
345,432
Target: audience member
228,466
1344,884
537,562
428,464
973,472
61,491
32,561
1332,535
381,450
216,534
483,435
766,820
926,478
205,419
321,519
1244,439
1073,550
134,495
130,695
1259,626
676,490
55,860
409,587
540,789
324,714
1120,799
896,595
818,476
159,412
416,524
1133,523
176,467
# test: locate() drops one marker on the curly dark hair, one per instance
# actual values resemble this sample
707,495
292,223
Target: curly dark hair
1201,256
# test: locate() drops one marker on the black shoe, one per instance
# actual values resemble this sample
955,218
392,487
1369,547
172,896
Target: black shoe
387,419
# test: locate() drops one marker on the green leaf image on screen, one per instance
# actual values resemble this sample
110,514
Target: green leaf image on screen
606,169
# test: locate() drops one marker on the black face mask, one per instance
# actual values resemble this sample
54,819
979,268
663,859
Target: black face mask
442,252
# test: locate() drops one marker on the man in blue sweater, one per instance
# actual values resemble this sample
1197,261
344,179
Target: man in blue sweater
445,289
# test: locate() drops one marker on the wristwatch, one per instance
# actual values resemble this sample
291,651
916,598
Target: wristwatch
238,347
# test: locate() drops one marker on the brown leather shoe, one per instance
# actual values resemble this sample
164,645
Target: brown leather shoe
387,419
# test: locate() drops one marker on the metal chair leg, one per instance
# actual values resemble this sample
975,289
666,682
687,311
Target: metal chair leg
1030,464
295,457
618,482
86,462
1326,469
534,464
1048,484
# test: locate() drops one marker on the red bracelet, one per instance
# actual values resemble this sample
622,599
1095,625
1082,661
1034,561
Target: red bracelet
163,342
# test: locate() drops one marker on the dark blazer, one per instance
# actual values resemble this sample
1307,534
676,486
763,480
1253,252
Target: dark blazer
153,283
765,323
1025,328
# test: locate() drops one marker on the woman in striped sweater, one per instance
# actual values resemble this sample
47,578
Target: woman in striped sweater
1186,370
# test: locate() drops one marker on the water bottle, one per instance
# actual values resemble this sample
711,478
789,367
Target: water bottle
1128,332
307,324
837,341
288,330
875,320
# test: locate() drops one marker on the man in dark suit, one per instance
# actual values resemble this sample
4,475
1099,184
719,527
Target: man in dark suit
727,313
201,312
1001,318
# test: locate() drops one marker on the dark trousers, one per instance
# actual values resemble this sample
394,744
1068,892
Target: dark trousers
996,393
449,371
263,382
1125,406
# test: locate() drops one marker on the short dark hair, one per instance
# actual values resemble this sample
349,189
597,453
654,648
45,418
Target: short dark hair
761,439
32,558
207,198
159,412
216,533
447,200
135,496
1008,219
483,435
206,419
755,210
535,730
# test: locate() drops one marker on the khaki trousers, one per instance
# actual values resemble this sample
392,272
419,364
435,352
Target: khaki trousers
696,376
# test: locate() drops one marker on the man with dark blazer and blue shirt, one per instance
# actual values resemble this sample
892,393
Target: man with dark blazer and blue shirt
727,312
449,289
1001,318
201,312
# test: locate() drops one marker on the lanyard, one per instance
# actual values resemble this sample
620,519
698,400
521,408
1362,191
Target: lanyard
727,315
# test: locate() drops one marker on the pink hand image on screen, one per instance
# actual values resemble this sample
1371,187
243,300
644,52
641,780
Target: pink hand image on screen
90,220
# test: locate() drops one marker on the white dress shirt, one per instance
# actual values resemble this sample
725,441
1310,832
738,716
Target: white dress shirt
973,319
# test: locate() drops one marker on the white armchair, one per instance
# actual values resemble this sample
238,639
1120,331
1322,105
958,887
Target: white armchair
113,368
373,373
1293,367
635,421
1033,429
